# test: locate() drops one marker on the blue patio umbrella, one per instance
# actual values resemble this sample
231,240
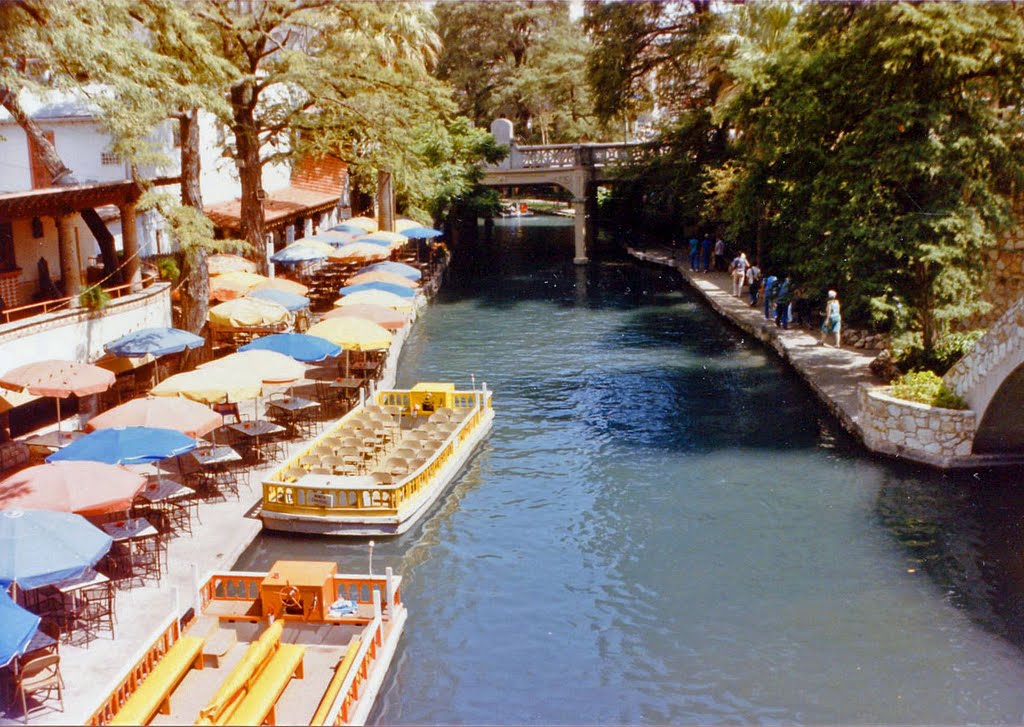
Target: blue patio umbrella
406,271
17,627
399,290
126,445
153,341
299,346
353,229
298,253
41,547
422,233
282,297
374,240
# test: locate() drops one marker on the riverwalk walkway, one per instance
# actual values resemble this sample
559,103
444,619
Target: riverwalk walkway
834,374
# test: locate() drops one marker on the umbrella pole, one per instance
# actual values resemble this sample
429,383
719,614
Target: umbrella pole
57,399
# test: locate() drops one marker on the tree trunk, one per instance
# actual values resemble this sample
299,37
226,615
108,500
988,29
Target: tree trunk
60,175
250,170
195,287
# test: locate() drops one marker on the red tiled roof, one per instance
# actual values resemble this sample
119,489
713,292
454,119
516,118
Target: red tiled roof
316,184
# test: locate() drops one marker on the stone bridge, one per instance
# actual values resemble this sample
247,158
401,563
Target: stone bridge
578,168
991,379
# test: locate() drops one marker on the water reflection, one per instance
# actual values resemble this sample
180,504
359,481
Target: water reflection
666,527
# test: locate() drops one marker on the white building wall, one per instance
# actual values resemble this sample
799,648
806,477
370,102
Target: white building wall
80,144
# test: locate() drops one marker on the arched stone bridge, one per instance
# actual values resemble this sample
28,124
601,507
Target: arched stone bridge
578,168
991,379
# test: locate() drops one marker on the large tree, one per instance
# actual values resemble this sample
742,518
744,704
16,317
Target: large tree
890,137
315,76
522,60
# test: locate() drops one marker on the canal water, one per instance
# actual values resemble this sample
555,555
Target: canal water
666,527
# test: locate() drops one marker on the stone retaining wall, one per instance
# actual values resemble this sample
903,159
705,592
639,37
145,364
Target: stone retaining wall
919,432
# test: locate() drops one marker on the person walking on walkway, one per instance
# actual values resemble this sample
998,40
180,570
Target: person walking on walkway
833,319
738,268
769,297
754,281
705,253
720,255
694,254
782,300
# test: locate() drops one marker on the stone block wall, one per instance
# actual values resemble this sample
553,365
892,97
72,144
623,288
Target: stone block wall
1005,285
915,431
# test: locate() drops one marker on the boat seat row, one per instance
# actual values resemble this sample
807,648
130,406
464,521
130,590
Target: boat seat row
155,691
334,688
248,694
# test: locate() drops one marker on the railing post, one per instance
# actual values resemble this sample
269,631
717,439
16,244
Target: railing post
389,587
378,611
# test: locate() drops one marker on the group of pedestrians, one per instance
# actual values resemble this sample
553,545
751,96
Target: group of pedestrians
781,301
701,260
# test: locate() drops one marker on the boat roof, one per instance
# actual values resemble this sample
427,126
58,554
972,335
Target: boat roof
433,387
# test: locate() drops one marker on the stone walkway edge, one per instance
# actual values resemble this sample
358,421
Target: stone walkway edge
840,378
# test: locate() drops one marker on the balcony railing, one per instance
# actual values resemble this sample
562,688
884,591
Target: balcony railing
49,306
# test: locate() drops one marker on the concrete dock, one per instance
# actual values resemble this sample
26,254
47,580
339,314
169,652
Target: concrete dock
224,530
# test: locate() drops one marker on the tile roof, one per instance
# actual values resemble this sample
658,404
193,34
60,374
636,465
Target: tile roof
316,184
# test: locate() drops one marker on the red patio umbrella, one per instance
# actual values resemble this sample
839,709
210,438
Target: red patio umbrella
83,487
58,379
188,417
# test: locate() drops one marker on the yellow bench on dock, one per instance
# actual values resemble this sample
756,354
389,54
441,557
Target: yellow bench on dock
250,691
340,672
155,691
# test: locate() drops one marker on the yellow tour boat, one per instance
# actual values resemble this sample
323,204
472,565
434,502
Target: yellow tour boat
381,467
300,644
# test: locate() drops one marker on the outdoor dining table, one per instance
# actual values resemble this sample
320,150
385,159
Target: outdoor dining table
293,409
69,591
171,496
217,455
133,534
54,440
256,428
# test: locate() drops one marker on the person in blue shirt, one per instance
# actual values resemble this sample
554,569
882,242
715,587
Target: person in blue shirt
769,296
782,300
705,253
694,254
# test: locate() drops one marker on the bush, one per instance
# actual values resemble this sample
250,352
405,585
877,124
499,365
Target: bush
909,353
94,298
926,387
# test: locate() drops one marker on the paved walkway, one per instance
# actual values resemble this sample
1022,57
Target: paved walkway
833,374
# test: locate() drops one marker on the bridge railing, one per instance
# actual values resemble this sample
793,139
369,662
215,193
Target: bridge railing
568,156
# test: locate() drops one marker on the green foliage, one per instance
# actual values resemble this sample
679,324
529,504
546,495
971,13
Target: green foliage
521,60
872,147
909,353
94,298
168,269
926,387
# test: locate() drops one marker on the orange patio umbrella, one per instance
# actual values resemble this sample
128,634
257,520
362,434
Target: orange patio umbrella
382,276
59,379
283,284
80,486
191,418
235,284
383,317
363,251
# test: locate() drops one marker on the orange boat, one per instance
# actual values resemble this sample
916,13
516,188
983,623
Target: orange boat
300,644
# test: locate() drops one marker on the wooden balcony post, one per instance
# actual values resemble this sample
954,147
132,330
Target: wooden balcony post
69,269
130,242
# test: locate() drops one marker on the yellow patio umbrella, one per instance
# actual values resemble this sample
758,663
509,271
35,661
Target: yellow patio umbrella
224,263
382,276
271,367
228,286
211,386
370,225
404,223
248,313
353,334
284,284
363,251
376,297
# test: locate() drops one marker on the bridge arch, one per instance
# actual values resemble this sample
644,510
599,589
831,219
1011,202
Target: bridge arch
991,379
